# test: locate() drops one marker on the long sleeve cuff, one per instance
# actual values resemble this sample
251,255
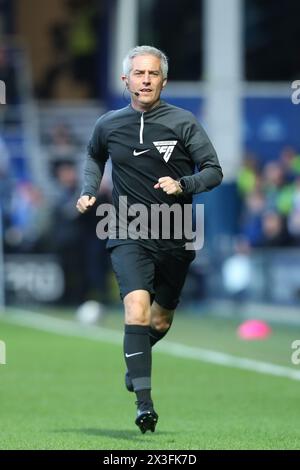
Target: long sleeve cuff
205,180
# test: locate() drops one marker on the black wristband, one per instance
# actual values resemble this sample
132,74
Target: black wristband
182,184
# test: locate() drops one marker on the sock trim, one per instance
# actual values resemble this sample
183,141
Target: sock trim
137,329
141,383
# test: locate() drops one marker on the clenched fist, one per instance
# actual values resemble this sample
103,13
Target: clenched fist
84,203
168,185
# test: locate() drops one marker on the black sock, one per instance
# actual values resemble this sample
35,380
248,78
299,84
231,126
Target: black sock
156,335
143,397
137,352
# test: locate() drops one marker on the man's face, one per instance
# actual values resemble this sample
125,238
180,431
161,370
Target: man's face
146,79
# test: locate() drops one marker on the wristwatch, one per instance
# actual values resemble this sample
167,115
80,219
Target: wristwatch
182,184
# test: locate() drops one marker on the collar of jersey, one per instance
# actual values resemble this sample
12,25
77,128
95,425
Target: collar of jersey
148,112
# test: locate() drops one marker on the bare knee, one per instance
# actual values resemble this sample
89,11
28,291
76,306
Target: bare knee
137,308
161,319
161,324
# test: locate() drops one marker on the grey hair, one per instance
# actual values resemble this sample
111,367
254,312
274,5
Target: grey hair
145,50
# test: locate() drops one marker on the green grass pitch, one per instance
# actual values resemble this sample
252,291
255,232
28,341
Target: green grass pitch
64,392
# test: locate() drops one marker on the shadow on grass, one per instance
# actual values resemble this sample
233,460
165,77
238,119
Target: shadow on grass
128,434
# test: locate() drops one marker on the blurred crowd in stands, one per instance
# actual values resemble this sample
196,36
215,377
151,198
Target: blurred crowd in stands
45,219
270,195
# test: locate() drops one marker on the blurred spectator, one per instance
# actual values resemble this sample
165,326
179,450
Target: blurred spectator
290,162
273,175
29,219
5,186
61,145
251,226
74,44
247,178
66,225
273,179
67,234
294,226
274,230
293,221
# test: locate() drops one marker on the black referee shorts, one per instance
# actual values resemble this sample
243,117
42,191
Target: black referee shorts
161,273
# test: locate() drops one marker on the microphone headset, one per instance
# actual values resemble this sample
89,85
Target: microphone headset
135,92
132,92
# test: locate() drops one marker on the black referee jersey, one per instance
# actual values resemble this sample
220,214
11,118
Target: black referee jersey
145,146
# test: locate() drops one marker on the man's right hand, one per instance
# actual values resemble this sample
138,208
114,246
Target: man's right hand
84,203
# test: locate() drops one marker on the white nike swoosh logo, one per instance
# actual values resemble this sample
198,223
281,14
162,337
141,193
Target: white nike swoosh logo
135,153
133,354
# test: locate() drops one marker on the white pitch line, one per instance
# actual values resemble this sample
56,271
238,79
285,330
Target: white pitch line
68,328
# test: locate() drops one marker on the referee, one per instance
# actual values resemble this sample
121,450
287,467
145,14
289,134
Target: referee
154,148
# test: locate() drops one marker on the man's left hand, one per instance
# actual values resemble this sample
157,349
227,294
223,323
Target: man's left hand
168,185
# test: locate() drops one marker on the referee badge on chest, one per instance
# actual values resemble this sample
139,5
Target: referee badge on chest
166,147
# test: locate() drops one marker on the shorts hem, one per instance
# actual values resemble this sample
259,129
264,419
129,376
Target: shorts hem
122,295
